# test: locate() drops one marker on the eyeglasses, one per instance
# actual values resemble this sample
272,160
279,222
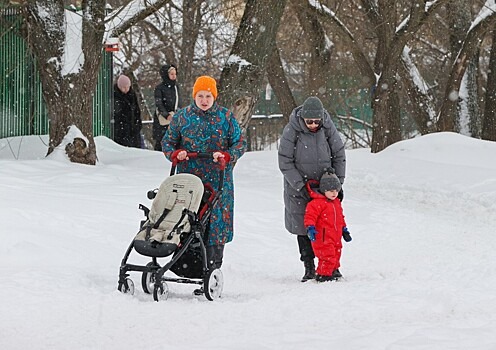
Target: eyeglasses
312,121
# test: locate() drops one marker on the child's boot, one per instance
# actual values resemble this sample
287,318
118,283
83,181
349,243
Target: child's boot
337,274
325,278
309,271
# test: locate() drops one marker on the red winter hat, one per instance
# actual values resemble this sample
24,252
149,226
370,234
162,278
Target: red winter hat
205,83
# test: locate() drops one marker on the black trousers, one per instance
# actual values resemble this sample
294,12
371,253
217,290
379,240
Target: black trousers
158,135
305,246
215,254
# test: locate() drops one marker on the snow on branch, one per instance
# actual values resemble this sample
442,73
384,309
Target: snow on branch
136,10
419,82
327,11
487,10
236,60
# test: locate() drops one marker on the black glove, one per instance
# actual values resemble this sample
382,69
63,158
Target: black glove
304,194
346,234
341,195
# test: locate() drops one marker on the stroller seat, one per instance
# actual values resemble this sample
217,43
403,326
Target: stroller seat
160,234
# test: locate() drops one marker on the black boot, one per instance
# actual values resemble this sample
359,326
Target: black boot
309,271
324,278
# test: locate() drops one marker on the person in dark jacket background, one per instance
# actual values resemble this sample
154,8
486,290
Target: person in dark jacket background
127,114
310,143
166,103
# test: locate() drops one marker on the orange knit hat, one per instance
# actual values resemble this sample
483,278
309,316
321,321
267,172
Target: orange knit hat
205,83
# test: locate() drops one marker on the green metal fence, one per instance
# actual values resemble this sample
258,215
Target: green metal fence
22,109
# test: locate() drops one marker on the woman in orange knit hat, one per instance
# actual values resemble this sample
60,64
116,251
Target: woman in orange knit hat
206,127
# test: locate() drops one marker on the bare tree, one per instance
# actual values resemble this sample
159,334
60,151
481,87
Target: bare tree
191,29
279,82
243,74
467,118
320,49
471,43
195,35
68,85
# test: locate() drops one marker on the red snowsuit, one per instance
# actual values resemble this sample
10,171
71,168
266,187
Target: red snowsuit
327,217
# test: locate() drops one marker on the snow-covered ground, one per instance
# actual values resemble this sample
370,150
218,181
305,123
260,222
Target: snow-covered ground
420,272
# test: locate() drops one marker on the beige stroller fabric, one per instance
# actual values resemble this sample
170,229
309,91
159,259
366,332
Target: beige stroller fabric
176,193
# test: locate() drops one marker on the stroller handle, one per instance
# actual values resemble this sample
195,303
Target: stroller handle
192,155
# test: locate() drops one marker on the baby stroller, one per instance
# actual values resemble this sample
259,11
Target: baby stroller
176,225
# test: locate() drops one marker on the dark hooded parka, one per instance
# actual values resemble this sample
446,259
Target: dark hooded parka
166,101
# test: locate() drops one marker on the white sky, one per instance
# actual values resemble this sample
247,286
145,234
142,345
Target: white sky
420,272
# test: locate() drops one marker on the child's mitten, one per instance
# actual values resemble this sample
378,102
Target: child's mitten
311,232
346,234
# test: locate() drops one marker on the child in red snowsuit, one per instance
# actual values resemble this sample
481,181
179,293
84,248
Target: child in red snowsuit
325,225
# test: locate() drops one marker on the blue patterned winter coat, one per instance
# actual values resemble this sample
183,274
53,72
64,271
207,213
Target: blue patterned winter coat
216,129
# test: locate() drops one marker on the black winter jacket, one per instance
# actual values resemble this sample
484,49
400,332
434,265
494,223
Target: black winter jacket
127,118
166,93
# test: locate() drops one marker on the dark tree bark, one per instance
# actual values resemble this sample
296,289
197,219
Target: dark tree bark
459,19
421,100
390,45
319,65
191,30
470,46
353,46
489,120
386,123
243,74
68,95
279,83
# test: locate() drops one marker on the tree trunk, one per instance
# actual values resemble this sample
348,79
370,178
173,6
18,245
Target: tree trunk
469,118
242,76
279,83
417,91
385,104
466,112
446,121
319,65
489,121
67,90
68,84
191,29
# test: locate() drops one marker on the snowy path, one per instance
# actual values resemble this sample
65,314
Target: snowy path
419,273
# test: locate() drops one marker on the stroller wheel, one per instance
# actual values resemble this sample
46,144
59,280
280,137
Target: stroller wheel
161,292
148,280
127,287
213,284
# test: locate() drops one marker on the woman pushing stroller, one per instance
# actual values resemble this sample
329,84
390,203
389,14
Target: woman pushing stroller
206,127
